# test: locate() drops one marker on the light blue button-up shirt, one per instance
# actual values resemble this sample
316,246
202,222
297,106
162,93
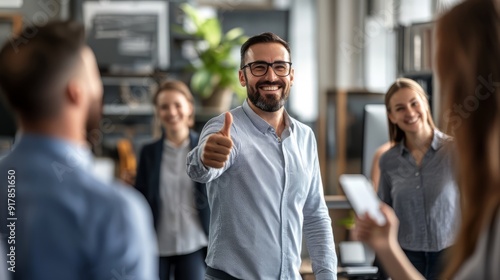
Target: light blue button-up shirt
67,223
266,195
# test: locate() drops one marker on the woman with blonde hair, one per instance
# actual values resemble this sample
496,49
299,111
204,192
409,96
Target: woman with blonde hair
468,57
416,178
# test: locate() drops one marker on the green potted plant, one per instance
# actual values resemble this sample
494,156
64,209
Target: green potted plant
348,223
215,71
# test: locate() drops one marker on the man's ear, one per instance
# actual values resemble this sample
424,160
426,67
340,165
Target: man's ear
74,92
241,77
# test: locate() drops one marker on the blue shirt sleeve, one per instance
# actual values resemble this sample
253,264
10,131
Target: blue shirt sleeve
318,230
195,168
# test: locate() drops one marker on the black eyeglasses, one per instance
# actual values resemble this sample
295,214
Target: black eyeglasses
259,68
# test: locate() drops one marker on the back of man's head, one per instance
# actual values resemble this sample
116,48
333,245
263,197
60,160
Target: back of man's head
36,66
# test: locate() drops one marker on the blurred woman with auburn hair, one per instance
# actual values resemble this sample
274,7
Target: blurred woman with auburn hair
468,59
468,68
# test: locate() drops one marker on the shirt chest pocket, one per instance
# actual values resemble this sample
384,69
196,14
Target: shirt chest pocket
298,177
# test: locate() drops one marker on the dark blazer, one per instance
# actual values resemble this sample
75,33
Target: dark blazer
148,181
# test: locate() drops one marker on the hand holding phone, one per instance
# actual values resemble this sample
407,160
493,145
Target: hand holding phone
360,193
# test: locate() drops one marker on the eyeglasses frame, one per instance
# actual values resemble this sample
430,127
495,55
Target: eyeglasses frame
267,69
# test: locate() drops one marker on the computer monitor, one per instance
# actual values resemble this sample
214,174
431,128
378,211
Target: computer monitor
128,36
375,133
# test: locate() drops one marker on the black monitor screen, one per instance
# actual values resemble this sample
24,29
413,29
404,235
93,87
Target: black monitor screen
125,42
128,36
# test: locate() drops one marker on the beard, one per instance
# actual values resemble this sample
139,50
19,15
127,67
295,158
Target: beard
92,126
265,103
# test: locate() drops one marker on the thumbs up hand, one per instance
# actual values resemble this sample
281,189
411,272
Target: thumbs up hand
218,145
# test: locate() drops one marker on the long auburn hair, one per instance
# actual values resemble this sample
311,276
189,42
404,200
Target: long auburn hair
396,134
468,56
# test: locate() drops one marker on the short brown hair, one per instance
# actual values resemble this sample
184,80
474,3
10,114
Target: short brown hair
395,133
266,37
33,68
180,87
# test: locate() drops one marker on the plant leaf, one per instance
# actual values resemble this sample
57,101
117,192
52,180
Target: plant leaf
212,32
215,66
192,14
200,83
180,30
233,34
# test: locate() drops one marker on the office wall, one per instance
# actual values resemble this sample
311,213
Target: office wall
40,11
303,40
32,12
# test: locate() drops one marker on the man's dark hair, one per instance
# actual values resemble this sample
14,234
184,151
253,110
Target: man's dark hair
266,37
34,67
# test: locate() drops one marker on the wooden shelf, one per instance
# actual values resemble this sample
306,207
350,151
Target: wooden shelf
337,202
133,109
340,118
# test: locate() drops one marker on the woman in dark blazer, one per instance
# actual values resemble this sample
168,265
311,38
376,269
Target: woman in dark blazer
179,205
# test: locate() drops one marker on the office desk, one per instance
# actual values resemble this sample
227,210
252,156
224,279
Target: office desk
307,273
337,202
339,207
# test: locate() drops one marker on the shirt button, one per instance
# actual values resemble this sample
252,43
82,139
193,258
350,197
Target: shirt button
418,187
416,174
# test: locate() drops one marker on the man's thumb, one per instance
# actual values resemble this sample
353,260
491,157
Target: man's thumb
228,121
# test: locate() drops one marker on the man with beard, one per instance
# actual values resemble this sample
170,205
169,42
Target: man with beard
263,178
64,223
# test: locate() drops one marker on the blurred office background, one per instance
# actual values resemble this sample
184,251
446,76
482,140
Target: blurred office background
345,54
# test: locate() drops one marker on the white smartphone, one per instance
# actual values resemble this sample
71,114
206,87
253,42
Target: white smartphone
360,193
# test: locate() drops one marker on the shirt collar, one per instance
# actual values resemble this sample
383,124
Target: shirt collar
260,123
438,140
72,153
170,145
